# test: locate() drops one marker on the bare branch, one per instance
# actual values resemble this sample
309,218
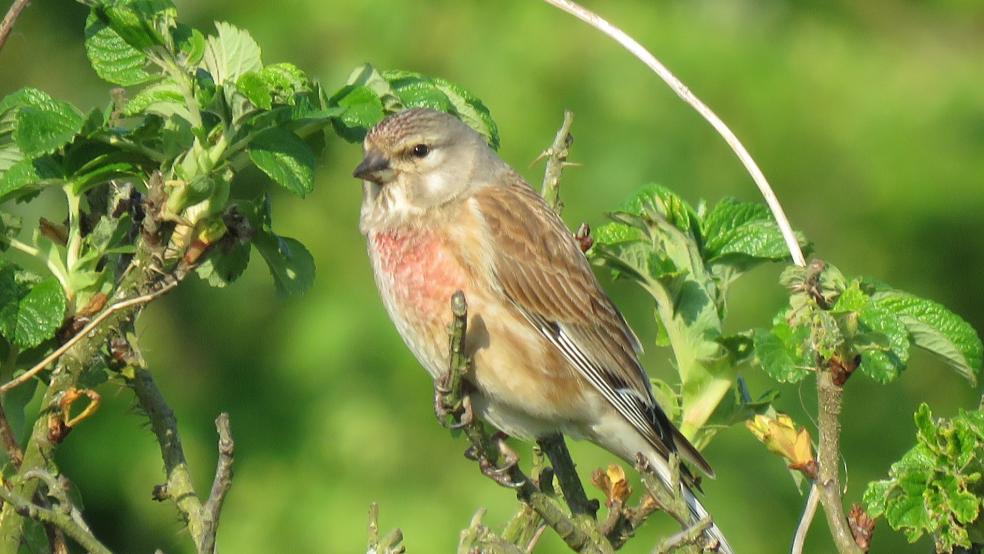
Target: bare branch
687,96
221,483
65,516
390,544
556,156
7,24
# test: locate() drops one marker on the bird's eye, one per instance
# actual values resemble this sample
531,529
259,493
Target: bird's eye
420,151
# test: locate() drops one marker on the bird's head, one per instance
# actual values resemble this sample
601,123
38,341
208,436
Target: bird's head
421,158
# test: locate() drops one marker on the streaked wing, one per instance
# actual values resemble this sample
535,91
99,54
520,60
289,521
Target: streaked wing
542,271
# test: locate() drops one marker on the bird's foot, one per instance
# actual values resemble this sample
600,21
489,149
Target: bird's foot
502,473
452,413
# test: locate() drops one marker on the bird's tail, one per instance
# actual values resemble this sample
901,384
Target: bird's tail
697,510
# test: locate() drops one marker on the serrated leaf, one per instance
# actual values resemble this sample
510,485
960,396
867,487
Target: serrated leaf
290,263
255,88
46,125
781,351
284,158
141,23
614,233
655,200
26,177
935,487
30,313
230,54
884,361
938,330
113,59
164,99
363,110
851,300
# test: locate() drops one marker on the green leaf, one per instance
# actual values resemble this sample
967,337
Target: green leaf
224,264
782,351
163,98
745,228
31,311
45,125
26,177
884,360
230,54
363,110
290,263
851,300
253,86
112,58
935,488
284,158
938,330
141,23
655,201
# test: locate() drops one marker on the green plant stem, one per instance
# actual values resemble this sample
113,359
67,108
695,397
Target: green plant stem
828,458
60,519
40,448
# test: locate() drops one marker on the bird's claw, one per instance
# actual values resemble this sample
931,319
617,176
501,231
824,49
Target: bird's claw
501,474
450,415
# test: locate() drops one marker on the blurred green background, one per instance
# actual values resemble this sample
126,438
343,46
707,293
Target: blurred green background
867,117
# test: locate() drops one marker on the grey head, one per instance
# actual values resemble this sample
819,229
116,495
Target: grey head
419,159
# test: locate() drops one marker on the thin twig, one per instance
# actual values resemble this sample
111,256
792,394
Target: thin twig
556,156
62,519
106,314
809,511
687,96
7,24
221,483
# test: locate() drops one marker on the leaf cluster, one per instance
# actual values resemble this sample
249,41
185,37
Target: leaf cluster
860,324
936,487
687,258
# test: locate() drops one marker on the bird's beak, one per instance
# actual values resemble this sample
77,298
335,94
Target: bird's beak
374,167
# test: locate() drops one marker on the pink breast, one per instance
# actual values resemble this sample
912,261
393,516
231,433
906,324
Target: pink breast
420,269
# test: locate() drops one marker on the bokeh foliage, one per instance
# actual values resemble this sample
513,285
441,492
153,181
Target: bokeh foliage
866,119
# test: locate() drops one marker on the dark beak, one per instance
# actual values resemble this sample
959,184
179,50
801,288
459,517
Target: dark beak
370,168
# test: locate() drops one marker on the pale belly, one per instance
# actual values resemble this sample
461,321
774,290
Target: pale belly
524,386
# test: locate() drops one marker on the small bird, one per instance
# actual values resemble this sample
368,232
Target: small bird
441,212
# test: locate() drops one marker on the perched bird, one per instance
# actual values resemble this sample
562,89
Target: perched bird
550,352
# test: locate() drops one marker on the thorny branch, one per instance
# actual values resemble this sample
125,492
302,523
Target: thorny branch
202,519
556,156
